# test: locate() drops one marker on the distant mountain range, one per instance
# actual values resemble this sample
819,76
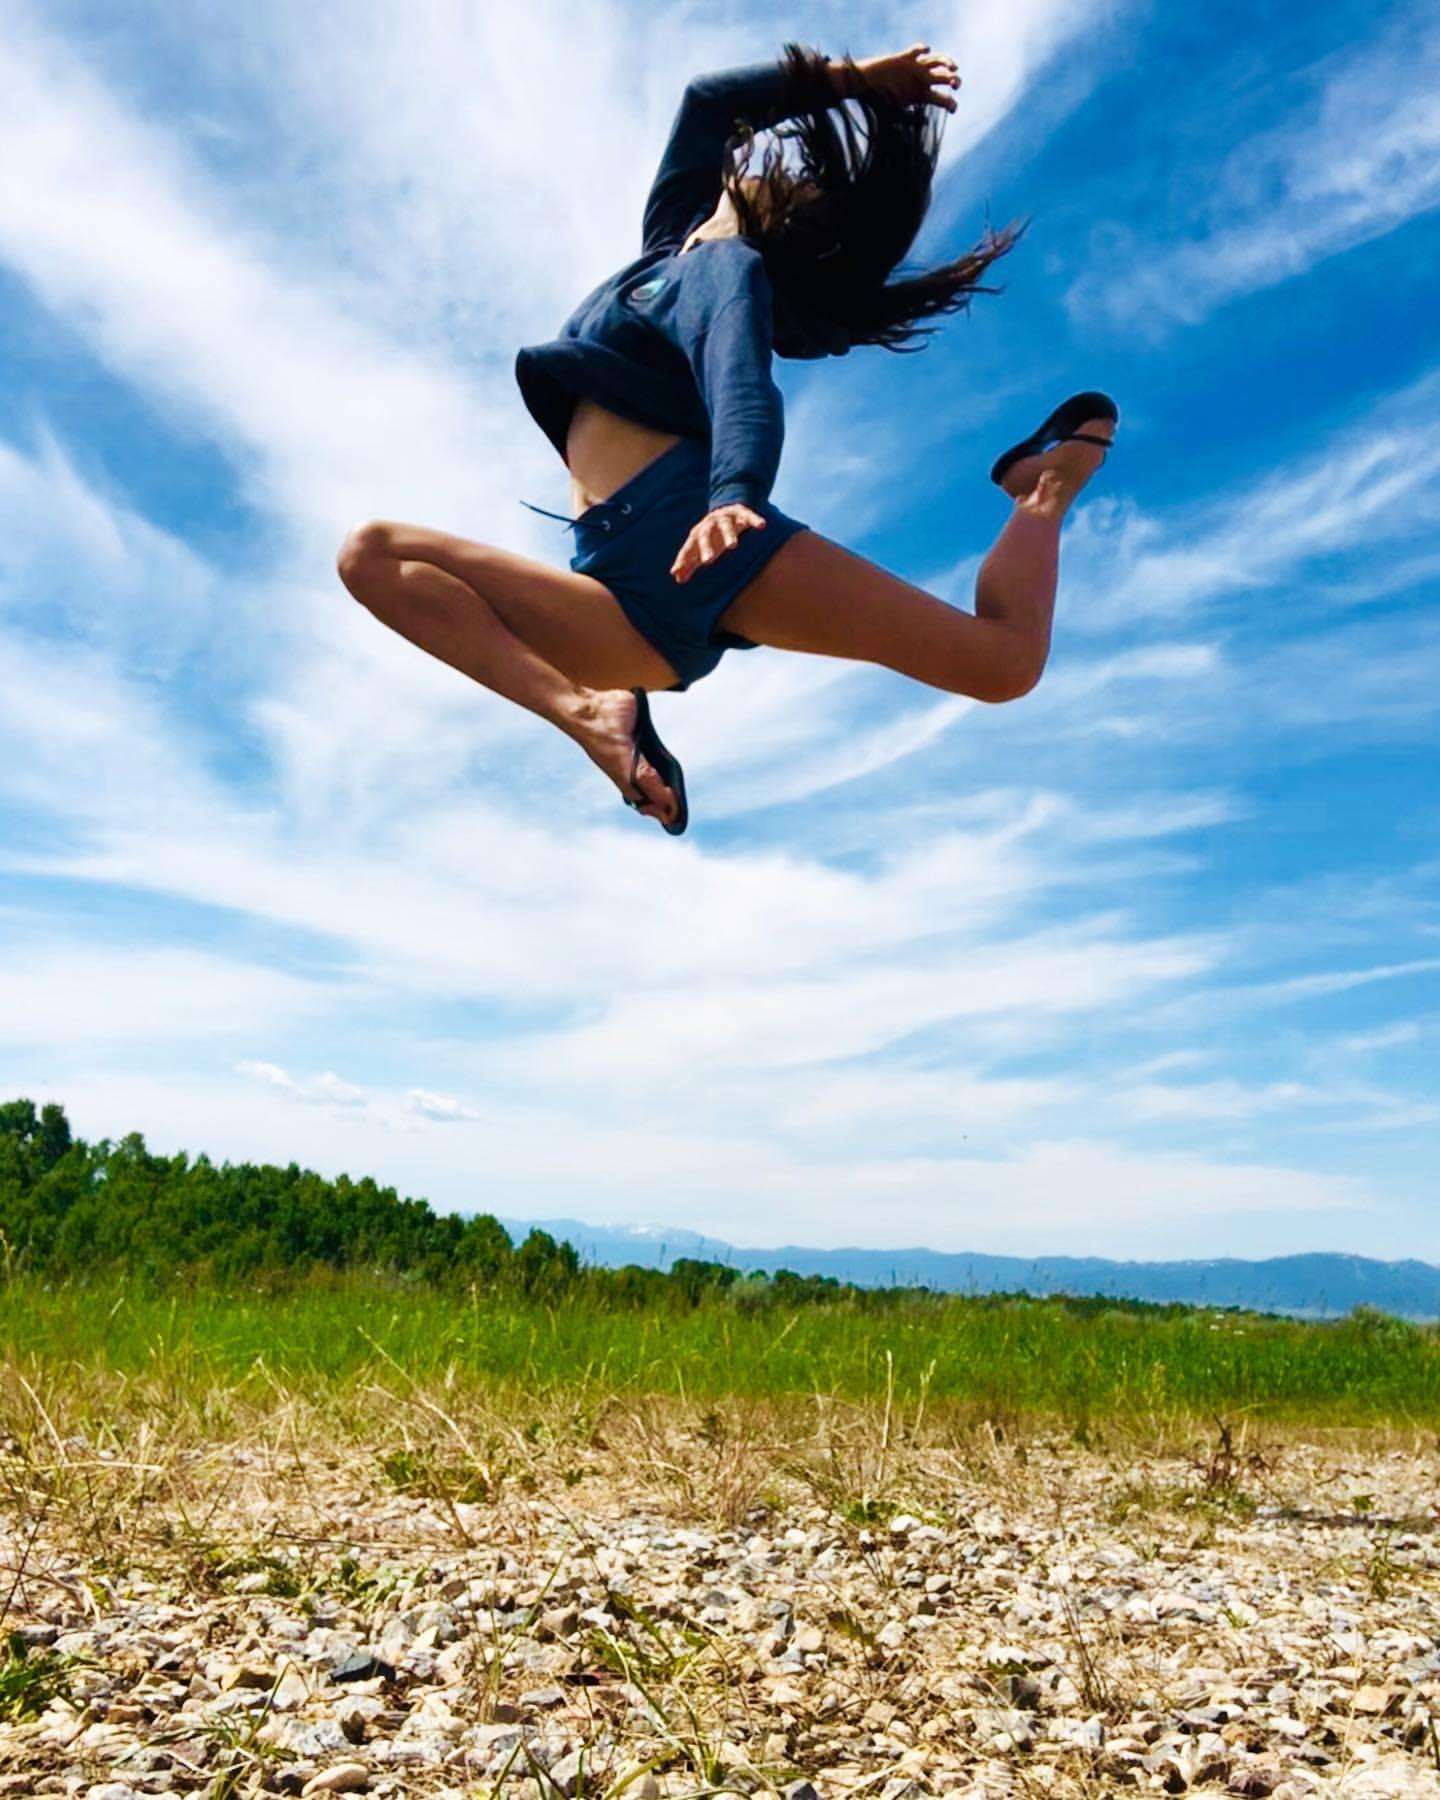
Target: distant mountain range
1318,1284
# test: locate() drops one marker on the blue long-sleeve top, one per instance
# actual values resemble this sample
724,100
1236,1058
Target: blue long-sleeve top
682,342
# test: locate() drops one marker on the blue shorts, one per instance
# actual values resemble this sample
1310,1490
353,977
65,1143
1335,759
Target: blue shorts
630,540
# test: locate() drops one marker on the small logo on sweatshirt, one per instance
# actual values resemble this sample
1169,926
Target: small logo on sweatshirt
647,290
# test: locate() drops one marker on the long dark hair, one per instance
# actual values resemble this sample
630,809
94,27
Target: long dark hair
835,219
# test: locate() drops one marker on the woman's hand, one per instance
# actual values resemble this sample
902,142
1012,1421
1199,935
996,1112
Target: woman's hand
914,77
716,533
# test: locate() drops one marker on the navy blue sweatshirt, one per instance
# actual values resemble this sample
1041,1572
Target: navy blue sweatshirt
682,342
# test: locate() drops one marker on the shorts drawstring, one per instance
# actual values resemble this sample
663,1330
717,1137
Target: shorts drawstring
569,523
564,518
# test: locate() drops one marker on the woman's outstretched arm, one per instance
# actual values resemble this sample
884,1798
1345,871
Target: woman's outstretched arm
687,183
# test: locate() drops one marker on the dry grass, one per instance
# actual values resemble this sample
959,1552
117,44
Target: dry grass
233,1502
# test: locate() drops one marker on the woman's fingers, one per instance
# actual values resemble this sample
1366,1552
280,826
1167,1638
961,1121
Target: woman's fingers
922,53
942,72
916,77
716,533
688,560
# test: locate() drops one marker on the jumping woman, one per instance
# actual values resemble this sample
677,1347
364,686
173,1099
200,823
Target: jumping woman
659,397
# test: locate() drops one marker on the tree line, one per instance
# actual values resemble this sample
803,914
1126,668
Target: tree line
70,1209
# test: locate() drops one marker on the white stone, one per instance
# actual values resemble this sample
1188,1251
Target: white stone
343,1778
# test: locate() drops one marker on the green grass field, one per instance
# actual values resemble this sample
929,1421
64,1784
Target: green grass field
1003,1358
134,1283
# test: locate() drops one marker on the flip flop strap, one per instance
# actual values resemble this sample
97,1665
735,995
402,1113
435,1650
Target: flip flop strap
1086,437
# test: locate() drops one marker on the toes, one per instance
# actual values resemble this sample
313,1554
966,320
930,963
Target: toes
660,799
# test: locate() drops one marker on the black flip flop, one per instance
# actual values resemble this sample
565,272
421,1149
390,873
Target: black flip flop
666,766
1060,428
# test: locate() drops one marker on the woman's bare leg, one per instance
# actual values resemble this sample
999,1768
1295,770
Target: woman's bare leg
553,641
815,596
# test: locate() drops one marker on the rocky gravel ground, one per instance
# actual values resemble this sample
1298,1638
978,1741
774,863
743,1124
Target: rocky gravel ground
1039,1620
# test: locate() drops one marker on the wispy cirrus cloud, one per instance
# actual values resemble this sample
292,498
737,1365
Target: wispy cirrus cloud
57,996
1003,48
1358,160
80,563
1344,513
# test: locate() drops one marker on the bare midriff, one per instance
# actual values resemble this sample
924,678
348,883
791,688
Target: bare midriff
603,451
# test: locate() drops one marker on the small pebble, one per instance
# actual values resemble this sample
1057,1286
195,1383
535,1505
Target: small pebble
341,1778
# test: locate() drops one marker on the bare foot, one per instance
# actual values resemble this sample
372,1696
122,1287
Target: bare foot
1052,481
609,741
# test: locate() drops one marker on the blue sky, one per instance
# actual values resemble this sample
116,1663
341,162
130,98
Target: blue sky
1145,964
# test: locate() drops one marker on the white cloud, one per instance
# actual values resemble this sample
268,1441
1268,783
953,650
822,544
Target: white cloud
1340,981
1215,1099
116,233
81,564
406,1112
842,1013
782,779
1386,1037
328,1089
325,418
70,995
443,1108
1374,481
1002,48
1359,162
